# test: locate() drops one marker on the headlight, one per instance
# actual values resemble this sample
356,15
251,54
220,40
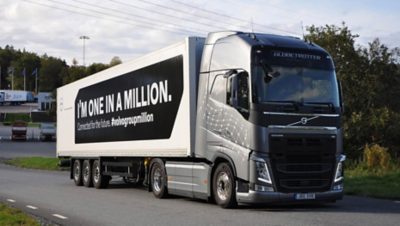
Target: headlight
262,172
339,169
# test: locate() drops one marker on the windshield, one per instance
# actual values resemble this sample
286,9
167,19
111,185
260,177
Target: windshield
296,84
294,75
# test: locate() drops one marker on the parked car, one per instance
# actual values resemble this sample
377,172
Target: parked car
18,130
47,131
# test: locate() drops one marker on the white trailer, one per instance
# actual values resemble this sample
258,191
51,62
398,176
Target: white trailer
132,116
15,97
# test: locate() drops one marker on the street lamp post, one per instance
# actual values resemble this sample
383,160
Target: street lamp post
84,37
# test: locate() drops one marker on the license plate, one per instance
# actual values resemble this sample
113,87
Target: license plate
304,196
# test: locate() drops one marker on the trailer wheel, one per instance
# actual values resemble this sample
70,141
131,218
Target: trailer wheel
224,186
87,174
77,172
158,178
99,180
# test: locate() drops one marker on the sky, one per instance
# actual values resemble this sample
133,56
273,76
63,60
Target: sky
131,28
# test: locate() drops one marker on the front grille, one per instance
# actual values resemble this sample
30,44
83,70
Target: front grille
302,163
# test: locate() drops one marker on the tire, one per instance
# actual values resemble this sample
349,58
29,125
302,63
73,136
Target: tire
158,179
99,180
224,186
77,172
87,174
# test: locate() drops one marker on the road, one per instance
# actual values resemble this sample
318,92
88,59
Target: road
9,149
53,196
53,193
24,108
34,147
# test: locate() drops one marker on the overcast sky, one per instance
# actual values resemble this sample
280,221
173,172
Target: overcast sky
130,28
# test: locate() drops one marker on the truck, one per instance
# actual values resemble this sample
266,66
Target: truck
19,130
235,118
15,97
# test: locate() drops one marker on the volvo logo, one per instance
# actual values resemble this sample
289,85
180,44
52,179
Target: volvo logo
303,120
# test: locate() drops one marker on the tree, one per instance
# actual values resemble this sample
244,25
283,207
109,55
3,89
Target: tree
96,67
74,62
7,55
51,73
25,65
115,61
74,73
370,79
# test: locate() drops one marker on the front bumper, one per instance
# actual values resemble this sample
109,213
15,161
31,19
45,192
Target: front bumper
45,136
257,197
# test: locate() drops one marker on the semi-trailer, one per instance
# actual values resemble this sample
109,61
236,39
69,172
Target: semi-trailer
15,97
236,118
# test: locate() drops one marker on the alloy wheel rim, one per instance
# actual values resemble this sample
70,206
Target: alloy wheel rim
96,174
76,174
224,186
157,179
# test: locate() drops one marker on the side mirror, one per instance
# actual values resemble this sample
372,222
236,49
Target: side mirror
233,90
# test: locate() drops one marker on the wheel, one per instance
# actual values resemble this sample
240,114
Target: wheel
87,174
224,186
158,178
77,172
99,180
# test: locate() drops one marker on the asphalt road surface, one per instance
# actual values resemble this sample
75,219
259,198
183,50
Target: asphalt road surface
24,108
12,149
54,197
34,147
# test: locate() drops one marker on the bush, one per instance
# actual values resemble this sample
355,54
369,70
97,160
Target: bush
11,117
377,157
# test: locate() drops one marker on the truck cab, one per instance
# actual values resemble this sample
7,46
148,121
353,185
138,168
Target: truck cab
270,107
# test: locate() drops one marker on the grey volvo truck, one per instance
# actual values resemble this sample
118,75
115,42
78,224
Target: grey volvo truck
236,117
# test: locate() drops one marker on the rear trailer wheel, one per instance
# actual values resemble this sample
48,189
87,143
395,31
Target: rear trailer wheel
87,173
77,172
99,180
224,186
158,178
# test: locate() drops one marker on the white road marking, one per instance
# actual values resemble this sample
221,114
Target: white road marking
398,202
60,216
11,200
32,207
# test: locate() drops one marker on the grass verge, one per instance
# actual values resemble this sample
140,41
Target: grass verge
14,217
11,117
35,163
373,184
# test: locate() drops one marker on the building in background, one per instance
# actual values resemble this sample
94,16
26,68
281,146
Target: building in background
45,100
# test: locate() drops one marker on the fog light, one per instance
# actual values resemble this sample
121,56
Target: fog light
262,188
338,187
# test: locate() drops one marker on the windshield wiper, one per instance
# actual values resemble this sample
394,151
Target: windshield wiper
330,105
293,103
